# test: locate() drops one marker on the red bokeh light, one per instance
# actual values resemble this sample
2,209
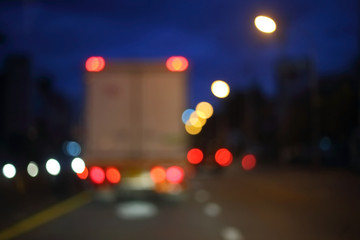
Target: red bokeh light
175,174
223,157
113,175
195,156
97,175
84,174
248,162
95,64
177,64
158,174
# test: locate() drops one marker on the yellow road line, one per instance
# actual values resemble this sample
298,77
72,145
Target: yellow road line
46,215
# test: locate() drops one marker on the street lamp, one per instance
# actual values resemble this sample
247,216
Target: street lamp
268,25
265,24
220,89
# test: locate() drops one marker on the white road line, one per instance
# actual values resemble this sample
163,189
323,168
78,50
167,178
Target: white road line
136,210
202,196
231,233
212,209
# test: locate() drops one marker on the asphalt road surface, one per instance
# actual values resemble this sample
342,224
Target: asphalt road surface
263,204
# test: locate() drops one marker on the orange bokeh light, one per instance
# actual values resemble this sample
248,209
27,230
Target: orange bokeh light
223,157
84,174
195,156
177,64
248,162
175,174
158,174
97,175
95,64
113,175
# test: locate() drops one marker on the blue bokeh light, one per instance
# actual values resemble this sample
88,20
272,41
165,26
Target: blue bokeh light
186,115
72,148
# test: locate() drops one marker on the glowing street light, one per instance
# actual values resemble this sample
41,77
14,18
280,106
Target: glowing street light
95,64
32,169
265,24
53,167
9,170
220,89
177,63
78,165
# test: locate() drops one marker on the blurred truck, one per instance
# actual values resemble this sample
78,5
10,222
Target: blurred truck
134,138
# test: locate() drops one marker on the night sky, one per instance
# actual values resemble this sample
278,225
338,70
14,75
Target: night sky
217,36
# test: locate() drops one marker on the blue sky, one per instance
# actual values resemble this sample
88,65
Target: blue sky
218,37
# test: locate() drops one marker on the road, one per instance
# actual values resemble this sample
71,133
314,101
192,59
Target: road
266,203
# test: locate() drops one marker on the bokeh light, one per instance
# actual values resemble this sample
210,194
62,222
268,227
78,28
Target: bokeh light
9,170
72,148
192,130
53,167
177,64
195,156
32,169
158,174
84,174
186,115
175,174
95,64
204,110
78,165
265,24
220,89
196,121
97,175
212,209
248,162
223,157
113,175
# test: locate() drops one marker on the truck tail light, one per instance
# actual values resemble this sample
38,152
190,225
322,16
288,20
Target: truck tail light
84,174
113,175
175,174
97,175
158,174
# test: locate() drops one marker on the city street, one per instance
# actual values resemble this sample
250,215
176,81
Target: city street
265,203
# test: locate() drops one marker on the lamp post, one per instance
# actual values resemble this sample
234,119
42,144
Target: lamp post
268,26
221,89
265,24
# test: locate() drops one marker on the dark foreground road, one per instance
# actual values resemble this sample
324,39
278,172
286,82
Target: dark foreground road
261,204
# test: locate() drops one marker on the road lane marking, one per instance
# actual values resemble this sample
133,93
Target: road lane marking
202,196
212,209
46,215
231,233
134,210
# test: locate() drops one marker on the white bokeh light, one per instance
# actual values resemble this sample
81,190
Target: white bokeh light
53,167
265,24
220,89
78,165
32,169
9,170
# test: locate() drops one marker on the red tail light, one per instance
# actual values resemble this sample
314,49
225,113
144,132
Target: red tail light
84,174
248,162
177,64
97,175
158,174
195,156
113,175
223,157
175,174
